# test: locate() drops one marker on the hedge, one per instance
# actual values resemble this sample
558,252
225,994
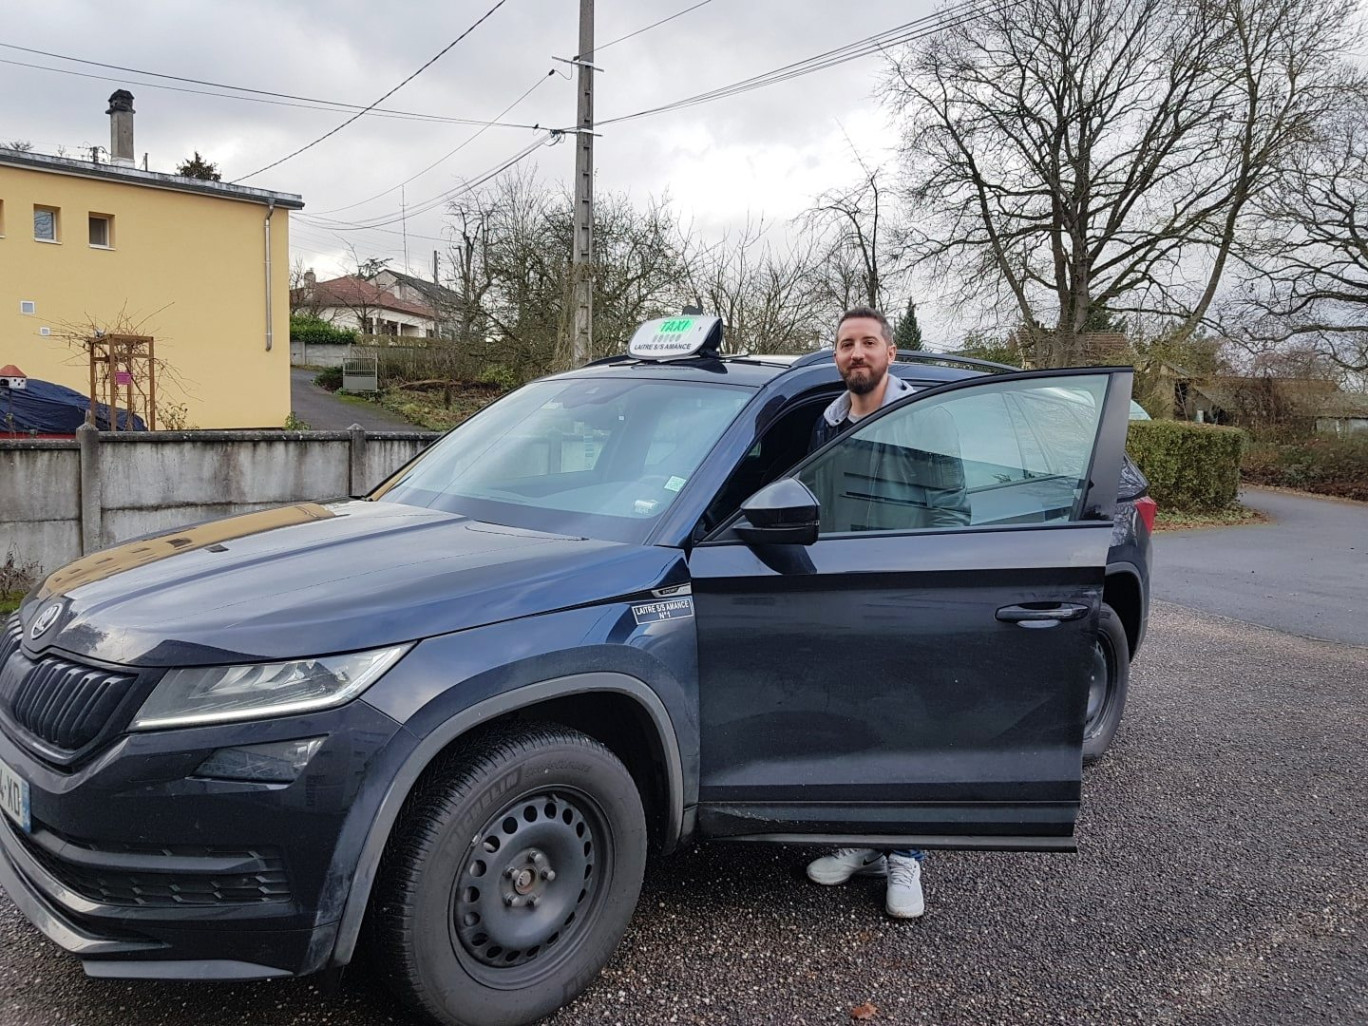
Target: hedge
1192,468
1323,464
315,331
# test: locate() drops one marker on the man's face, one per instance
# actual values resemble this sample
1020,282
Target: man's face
862,354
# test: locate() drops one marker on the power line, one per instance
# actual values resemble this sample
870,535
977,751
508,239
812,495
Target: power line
258,95
911,31
433,60
654,24
500,115
447,156
438,200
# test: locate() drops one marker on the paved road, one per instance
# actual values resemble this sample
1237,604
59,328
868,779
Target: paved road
323,411
1305,573
1220,881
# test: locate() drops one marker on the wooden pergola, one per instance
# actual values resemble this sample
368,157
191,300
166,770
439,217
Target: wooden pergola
127,363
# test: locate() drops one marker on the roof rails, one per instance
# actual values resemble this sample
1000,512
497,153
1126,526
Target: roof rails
911,356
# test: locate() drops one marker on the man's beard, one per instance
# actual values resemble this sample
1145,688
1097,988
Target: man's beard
861,385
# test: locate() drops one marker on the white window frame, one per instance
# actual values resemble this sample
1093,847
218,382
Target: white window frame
108,220
56,214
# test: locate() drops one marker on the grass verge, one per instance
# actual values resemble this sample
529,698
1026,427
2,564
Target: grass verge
1231,516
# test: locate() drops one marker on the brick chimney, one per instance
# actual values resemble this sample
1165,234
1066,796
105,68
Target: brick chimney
121,128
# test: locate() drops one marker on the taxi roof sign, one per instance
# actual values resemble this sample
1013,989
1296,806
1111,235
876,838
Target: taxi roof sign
674,338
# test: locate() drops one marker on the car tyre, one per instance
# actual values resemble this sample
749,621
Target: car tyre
1109,683
509,878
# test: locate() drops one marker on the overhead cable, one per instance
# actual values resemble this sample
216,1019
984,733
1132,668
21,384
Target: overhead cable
252,95
447,156
918,28
427,64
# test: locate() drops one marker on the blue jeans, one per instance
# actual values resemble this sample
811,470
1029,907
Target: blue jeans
910,853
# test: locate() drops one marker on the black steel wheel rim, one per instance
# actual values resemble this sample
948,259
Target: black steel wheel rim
1101,683
530,884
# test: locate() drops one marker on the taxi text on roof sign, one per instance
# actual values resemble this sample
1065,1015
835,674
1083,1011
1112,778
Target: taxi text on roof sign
673,338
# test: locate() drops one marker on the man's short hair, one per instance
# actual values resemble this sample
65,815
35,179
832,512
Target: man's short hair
885,328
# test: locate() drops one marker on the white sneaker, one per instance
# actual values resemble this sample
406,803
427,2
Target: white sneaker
904,899
843,863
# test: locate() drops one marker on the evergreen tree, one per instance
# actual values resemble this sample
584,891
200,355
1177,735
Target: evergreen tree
198,167
909,334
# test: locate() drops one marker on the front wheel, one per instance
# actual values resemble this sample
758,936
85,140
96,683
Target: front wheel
1108,684
510,877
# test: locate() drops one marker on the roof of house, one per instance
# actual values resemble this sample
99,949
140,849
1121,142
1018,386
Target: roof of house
149,179
436,294
353,292
1308,397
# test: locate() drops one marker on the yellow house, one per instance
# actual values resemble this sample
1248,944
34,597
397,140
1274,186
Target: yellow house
202,267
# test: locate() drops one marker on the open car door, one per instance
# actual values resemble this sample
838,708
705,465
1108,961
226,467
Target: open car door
915,671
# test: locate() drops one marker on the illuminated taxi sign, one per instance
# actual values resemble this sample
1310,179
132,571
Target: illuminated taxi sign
672,338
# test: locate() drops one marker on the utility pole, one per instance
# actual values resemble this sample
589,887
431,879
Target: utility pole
582,268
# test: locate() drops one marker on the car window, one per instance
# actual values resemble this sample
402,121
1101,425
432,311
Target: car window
583,447
998,453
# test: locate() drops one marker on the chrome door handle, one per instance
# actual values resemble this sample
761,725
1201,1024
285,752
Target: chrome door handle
1040,613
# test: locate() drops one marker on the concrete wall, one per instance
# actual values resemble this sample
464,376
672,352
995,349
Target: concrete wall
185,268
304,355
62,499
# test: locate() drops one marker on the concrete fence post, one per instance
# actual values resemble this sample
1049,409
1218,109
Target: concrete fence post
357,483
91,508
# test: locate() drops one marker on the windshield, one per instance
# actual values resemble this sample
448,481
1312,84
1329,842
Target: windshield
596,457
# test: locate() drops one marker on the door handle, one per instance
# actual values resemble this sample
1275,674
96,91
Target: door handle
1042,613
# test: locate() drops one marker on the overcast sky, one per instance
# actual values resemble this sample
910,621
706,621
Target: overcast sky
765,153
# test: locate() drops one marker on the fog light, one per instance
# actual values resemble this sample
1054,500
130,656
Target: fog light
276,763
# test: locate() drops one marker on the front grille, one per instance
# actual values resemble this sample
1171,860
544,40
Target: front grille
62,703
266,881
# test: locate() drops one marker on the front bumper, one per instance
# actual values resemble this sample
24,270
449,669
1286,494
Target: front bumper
142,869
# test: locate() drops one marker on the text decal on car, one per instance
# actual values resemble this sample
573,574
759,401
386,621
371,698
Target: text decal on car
673,338
670,609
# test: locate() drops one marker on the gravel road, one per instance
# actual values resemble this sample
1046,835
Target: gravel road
1219,880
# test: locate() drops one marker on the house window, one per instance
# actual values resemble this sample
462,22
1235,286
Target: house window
102,231
45,224
2,219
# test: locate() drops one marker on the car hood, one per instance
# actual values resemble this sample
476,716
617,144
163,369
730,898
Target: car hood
311,580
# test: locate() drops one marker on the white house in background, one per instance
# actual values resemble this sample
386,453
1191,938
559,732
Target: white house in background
370,308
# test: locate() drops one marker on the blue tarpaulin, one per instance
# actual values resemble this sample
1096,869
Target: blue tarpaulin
47,409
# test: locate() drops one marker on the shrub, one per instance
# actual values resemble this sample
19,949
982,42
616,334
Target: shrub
315,331
1192,468
329,378
1323,464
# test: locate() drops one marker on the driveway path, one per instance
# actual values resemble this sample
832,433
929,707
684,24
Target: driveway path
1305,573
323,411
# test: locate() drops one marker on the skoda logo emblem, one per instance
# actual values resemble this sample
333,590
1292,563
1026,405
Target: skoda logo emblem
45,619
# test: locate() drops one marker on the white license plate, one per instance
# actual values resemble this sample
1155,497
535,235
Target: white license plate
14,798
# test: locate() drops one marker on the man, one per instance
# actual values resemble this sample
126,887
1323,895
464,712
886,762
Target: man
864,354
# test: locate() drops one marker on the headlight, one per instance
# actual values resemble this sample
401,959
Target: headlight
218,694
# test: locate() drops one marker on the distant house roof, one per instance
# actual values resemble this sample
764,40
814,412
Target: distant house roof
1308,397
352,292
437,295
149,179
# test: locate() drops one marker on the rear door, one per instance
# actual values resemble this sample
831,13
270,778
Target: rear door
919,674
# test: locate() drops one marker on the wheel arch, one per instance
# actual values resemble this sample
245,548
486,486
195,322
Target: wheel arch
1124,593
639,731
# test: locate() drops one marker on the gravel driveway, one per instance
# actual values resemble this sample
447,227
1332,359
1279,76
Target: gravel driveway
1220,880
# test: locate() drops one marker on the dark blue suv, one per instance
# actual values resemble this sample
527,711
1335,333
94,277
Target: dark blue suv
619,609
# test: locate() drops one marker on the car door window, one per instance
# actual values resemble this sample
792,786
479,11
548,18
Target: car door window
1015,452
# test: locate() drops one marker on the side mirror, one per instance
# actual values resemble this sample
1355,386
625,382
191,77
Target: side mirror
784,512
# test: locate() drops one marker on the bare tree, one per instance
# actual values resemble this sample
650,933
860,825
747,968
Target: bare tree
859,266
1308,279
1065,155
766,299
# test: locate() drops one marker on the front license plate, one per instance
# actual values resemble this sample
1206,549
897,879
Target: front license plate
14,798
